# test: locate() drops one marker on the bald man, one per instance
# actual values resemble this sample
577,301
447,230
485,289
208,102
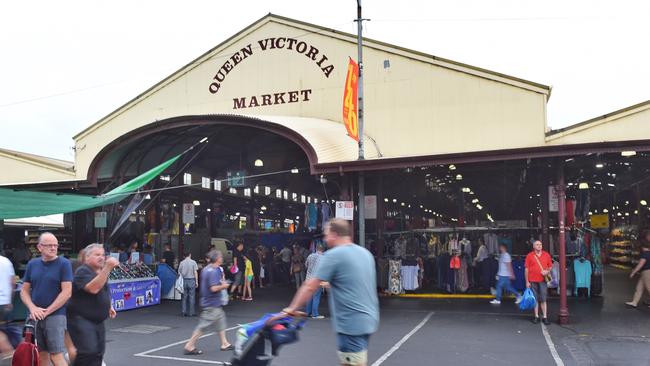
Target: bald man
46,290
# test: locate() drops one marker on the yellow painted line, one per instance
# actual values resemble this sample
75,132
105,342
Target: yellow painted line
448,296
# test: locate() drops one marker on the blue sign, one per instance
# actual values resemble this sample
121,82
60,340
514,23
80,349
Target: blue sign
133,294
236,179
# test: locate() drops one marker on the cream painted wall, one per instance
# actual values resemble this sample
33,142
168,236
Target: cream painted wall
413,108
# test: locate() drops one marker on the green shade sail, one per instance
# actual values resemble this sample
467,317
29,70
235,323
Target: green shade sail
16,204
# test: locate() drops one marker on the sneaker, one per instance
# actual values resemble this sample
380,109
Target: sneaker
519,298
536,320
318,317
630,305
495,302
546,321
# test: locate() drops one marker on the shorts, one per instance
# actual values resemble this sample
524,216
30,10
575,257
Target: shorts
238,279
249,278
352,350
540,289
212,317
50,334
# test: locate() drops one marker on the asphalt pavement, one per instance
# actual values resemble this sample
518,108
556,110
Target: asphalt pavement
412,332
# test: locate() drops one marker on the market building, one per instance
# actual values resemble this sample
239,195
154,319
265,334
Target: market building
455,155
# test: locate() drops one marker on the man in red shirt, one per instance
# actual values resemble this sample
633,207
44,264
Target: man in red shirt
538,265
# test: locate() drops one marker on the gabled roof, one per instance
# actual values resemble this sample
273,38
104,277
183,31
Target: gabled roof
368,43
590,123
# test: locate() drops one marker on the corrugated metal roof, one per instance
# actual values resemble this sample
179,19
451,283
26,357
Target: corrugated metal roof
328,138
55,163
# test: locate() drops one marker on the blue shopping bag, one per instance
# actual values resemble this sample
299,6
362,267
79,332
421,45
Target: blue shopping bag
528,300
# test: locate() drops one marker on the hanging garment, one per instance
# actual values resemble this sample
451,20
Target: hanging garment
454,262
582,268
399,247
382,273
507,242
462,276
491,241
454,246
395,277
519,267
313,216
596,248
443,271
325,212
555,275
570,212
466,247
410,277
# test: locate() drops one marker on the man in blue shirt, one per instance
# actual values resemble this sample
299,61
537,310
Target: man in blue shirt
350,271
46,290
212,315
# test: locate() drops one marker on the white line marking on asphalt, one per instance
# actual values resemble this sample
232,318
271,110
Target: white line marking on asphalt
402,341
146,353
551,346
186,359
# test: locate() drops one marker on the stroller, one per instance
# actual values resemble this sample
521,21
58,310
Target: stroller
258,342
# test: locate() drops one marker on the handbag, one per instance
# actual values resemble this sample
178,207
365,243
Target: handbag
179,284
547,278
234,269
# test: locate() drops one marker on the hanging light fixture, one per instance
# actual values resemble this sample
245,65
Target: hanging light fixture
644,203
600,165
459,177
466,190
452,167
605,210
294,171
627,154
583,185
259,163
196,203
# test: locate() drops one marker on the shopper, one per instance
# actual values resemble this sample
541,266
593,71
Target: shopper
285,256
90,306
238,262
249,276
212,314
350,270
505,276
643,268
261,257
46,290
312,264
188,269
297,266
538,266
69,345
7,285
168,256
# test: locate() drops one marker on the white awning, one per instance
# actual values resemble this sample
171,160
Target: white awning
328,138
50,221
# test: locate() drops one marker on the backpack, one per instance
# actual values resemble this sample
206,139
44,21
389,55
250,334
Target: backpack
26,354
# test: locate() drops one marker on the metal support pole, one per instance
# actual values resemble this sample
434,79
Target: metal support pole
564,309
362,192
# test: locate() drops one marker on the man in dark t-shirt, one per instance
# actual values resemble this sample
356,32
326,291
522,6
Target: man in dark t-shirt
168,257
90,305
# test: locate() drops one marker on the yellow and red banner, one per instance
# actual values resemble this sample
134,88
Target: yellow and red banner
350,100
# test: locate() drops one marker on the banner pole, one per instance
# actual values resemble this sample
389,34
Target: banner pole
361,205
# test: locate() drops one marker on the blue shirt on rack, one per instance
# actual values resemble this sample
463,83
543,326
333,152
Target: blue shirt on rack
582,268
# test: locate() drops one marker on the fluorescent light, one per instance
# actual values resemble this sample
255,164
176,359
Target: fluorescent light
479,206
599,165
459,177
628,153
466,190
590,213
294,171
605,210
644,202
583,185
475,200
452,167
263,208
385,199
196,203
147,197
611,184
403,204
394,200
259,162
209,210
421,206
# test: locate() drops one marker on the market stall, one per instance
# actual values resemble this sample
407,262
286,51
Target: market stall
133,286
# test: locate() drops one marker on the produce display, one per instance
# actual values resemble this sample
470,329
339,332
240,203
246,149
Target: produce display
130,271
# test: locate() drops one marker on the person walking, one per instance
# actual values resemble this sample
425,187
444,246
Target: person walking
238,261
7,286
285,257
188,269
312,264
212,314
46,289
538,266
90,306
248,280
297,266
350,271
505,276
642,268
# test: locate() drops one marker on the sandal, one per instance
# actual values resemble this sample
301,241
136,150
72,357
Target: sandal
194,352
228,348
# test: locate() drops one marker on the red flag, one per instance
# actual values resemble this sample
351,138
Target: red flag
350,100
